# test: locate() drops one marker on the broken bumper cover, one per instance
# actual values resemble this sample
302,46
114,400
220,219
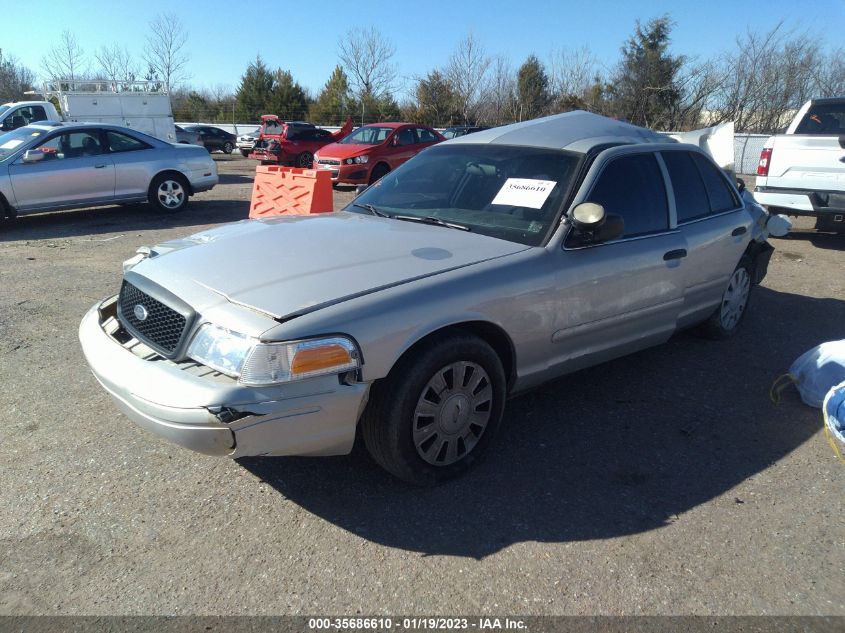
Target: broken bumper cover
220,416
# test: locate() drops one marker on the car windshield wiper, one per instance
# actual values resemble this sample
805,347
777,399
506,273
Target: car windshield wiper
371,209
431,220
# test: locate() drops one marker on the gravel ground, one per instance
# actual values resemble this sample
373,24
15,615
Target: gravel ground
662,483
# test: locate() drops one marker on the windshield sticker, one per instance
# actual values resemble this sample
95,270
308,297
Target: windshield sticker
524,192
11,144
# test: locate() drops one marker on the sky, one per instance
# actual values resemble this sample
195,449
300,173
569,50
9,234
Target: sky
224,36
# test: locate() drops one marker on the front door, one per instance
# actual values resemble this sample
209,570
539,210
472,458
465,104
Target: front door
74,172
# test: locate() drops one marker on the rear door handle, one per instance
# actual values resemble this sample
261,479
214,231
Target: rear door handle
740,230
98,166
676,254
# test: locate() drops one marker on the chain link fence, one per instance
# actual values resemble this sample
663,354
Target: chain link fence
747,148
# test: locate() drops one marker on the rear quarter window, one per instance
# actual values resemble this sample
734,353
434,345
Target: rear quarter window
722,198
823,119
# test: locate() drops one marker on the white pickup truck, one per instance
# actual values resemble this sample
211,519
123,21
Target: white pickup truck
139,105
802,172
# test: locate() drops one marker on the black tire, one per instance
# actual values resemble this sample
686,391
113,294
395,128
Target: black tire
168,193
724,323
379,171
244,153
388,423
228,147
304,160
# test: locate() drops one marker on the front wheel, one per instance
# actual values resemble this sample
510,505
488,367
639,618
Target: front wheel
244,153
168,193
726,319
228,147
379,171
304,160
437,411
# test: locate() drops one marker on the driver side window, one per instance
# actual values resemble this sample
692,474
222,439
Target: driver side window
633,187
72,145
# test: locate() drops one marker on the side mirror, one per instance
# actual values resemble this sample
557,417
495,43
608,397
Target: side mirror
395,142
740,184
592,224
33,156
7,125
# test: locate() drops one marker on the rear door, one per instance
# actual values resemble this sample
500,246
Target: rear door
715,225
812,155
133,164
75,171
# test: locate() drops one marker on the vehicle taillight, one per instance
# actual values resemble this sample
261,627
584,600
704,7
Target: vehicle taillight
765,161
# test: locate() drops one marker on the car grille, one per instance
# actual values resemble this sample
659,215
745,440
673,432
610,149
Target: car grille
328,161
162,328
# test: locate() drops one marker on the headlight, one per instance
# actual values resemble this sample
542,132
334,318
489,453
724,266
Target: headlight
221,349
271,363
256,363
362,159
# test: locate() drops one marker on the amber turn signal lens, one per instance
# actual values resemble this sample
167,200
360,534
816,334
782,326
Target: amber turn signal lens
318,358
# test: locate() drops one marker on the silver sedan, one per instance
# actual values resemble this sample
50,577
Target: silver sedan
72,165
482,267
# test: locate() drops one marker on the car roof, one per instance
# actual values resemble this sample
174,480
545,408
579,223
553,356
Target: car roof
577,131
392,124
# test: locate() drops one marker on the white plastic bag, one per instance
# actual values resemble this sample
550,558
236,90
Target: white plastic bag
817,371
834,419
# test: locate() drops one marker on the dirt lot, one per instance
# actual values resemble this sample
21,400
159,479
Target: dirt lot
662,483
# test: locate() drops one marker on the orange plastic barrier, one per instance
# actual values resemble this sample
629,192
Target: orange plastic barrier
290,191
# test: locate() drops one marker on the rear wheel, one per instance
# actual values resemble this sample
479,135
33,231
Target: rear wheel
726,319
168,193
244,153
437,411
378,172
228,147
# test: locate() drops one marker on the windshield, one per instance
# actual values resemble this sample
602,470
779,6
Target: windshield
11,142
368,135
512,193
3,108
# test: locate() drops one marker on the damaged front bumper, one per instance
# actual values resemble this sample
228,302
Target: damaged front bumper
210,413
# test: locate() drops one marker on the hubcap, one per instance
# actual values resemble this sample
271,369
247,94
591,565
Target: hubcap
452,413
735,298
170,194
305,160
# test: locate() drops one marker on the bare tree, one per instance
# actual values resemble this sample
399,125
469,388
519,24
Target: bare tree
116,63
366,57
467,72
165,53
15,79
66,60
572,72
500,105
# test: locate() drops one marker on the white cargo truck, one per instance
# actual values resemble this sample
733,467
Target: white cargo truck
139,105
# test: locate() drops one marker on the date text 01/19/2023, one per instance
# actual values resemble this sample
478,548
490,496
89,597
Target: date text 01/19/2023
415,623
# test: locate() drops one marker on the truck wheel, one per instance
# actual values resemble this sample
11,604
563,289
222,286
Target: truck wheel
228,147
168,193
726,319
437,411
244,153
378,172
304,160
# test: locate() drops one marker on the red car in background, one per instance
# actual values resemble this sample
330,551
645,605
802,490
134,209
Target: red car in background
292,142
373,150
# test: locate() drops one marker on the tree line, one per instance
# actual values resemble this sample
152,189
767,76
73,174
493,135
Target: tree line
758,83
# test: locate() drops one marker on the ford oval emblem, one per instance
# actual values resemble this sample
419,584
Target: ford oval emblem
140,312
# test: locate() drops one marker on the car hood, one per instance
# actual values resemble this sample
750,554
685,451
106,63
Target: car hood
345,150
289,266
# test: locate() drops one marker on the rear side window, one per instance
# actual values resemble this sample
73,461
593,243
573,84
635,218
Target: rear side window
632,186
721,196
426,135
124,143
691,199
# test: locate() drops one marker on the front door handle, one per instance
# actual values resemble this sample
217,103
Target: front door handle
98,166
740,230
676,254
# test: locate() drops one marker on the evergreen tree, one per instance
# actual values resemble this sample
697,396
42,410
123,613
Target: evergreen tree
437,103
532,87
254,91
287,98
644,88
333,104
